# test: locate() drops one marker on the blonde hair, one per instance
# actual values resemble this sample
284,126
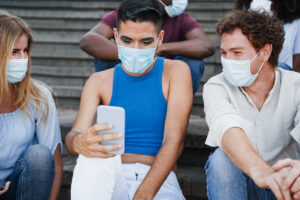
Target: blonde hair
11,29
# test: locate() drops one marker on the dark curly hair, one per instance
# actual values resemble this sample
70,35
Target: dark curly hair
286,10
259,28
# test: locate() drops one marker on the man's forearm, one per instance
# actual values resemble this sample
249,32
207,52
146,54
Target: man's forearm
99,47
161,168
238,148
195,48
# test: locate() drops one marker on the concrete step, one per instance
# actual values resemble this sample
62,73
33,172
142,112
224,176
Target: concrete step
25,13
52,75
103,5
192,180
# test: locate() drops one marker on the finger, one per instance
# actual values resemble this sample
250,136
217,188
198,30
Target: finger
273,185
282,163
101,155
104,148
296,196
103,137
290,179
296,186
285,193
5,187
99,127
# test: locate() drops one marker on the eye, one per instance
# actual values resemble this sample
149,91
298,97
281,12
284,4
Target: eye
223,53
147,42
237,53
125,40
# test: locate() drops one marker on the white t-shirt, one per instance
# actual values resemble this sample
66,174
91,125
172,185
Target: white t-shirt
291,43
261,5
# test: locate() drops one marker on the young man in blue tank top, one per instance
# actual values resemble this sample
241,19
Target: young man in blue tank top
157,96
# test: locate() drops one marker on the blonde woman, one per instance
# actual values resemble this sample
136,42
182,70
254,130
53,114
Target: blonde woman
30,140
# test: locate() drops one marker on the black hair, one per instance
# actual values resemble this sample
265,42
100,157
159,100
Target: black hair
140,11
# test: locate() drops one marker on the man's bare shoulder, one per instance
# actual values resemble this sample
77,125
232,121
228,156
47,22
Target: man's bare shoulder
175,68
100,80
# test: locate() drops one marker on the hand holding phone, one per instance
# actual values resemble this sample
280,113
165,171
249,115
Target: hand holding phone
114,116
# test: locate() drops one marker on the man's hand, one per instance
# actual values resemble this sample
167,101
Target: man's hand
5,188
292,180
88,143
272,180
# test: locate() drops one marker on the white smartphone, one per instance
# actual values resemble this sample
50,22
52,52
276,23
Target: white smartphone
116,117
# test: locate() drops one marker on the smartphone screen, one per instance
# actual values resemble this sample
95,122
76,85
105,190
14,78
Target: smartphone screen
116,117
2,184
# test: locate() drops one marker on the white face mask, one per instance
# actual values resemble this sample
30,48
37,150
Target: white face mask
261,5
16,70
177,7
238,72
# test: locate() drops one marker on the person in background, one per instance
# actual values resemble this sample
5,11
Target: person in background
287,11
184,40
30,157
157,96
252,111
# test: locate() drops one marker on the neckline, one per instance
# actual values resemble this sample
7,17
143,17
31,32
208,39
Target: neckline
9,115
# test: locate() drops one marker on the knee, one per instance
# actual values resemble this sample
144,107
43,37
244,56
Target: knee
37,158
220,168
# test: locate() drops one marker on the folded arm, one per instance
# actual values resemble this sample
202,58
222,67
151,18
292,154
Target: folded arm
197,46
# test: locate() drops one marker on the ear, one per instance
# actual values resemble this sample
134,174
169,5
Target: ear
115,31
161,37
267,50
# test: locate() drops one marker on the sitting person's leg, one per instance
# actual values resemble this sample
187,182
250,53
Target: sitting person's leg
197,69
96,178
134,175
104,65
33,175
224,179
256,193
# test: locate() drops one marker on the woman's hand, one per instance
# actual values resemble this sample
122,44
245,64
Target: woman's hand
5,188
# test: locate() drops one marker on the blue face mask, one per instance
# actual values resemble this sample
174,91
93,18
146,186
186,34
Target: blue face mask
136,61
16,70
238,72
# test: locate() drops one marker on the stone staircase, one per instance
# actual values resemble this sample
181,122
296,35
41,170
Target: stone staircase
58,61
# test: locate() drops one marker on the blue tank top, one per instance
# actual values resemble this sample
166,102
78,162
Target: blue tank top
145,108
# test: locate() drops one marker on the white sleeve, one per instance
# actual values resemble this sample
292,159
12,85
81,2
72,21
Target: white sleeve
296,48
220,113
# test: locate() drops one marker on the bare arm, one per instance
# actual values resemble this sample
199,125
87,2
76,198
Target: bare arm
296,62
58,174
237,146
84,138
97,43
197,45
179,106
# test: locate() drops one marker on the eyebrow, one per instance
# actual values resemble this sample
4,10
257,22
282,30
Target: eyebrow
125,38
234,48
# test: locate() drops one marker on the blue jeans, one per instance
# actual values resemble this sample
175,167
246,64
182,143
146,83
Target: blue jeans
284,66
196,67
227,182
32,176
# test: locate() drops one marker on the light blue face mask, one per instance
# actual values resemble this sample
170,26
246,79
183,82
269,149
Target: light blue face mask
238,72
177,7
16,70
136,61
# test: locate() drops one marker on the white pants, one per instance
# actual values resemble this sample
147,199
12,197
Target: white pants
106,179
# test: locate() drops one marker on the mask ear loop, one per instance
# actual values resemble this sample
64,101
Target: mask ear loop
162,3
260,65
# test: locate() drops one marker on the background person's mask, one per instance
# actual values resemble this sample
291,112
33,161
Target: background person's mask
16,70
177,7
